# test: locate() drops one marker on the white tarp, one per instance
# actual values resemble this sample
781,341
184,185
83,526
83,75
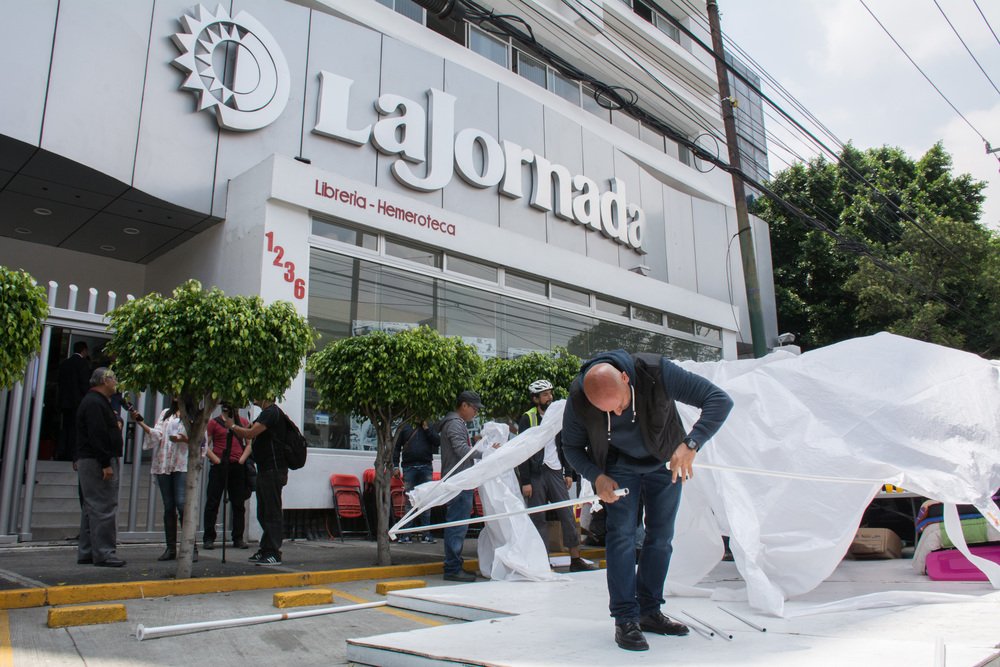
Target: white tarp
882,408
509,548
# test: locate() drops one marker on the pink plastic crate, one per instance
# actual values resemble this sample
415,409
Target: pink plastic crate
951,565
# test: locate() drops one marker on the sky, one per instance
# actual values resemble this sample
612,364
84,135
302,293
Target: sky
835,59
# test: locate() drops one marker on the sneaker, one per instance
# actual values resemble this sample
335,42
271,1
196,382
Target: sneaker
428,539
256,557
405,539
581,565
269,560
629,636
662,625
461,575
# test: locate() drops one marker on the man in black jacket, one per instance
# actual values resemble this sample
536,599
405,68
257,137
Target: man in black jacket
413,459
620,426
544,478
99,446
73,380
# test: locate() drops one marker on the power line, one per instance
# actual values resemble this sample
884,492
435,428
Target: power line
967,49
924,74
986,21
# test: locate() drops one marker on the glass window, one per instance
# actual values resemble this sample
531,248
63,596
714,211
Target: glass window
472,315
410,10
651,136
678,323
469,267
647,315
519,281
668,28
488,46
345,234
684,154
612,306
531,69
523,328
591,105
706,331
412,253
564,87
571,295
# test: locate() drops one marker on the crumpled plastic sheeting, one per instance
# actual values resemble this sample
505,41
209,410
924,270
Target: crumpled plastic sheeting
514,549
509,548
883,407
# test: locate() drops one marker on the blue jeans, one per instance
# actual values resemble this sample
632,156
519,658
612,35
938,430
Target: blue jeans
172,492
638,591
414,476
460,507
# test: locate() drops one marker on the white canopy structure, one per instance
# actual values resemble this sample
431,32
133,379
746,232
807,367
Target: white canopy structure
808,444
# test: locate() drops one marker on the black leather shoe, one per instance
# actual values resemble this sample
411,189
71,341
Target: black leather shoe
662,625
629,637
580,565
168,554
240,544
84,561
111,562
208,545
461,575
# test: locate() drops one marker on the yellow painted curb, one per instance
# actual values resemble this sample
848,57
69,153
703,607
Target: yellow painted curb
62,617
22,598
130,590
305,598
384,587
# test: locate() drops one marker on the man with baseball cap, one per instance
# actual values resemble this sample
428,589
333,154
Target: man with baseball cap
455,444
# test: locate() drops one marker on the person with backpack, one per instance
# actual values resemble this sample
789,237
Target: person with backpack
268,433
225,475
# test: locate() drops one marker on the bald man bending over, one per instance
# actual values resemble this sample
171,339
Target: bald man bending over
620,427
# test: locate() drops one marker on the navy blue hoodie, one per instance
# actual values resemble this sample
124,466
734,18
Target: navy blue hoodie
680,385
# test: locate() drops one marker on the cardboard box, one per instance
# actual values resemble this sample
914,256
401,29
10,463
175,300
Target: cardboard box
876,543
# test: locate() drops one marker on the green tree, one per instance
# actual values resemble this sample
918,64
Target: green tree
392,379
503,383
23,307
203,346
828,291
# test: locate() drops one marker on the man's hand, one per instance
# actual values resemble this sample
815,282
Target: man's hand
213,458
107,473
526,490
682,462
605,487
569,482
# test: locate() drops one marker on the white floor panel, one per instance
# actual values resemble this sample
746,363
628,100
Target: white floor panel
566,623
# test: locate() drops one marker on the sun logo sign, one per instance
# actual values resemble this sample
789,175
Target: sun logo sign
233,65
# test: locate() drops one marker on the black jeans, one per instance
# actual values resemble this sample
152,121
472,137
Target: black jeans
269,485
231,477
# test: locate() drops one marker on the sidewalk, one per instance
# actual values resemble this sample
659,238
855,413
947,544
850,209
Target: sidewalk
38,574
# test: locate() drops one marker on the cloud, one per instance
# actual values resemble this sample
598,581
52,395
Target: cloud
969,156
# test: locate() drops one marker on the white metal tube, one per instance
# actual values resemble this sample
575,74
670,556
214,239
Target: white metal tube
787,475
92,300
142,632
527,510
759,628
725,635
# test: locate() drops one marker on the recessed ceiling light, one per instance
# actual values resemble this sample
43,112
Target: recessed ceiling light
22,230
43,211
132,231
108,248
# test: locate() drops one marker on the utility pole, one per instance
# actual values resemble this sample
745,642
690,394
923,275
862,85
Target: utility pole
742,214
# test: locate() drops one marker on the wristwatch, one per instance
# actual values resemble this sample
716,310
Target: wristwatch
691,443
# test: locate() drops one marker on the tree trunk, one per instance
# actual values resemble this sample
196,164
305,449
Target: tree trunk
383,488
192,490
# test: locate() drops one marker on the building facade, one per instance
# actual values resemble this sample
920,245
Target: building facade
380,168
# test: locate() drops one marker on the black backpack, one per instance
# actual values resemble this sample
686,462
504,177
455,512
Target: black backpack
293,444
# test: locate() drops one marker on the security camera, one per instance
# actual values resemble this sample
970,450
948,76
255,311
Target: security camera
786,339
